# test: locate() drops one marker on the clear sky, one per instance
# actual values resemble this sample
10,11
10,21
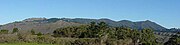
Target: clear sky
163,12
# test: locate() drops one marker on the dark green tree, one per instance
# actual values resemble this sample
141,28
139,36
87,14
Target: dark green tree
32,32
4,31
15,30
93,30
102,26
147,37
122,33
39,34
135,36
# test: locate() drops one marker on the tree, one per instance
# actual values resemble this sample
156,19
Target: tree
178,32
15,30
4,31
93,30
32,32
39,34
102,25
147,37
68,31
135,36
103,32
122,33
174,40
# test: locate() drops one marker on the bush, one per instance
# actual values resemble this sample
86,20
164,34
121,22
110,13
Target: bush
7,38
65,41
39,34
86,41
4,31
22,36
15,30
45,39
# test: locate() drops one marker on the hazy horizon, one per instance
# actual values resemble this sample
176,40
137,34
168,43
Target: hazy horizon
164,12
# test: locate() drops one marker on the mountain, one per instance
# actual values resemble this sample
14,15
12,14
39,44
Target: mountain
38,24
173,30
49,25
135,25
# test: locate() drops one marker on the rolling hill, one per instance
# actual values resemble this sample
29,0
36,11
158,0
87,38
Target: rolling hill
49,25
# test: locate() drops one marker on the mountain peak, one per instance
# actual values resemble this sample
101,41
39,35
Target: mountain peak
148,21
105,19
124,21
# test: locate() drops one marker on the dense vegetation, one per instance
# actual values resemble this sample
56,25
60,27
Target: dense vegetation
105,33
91,34
45,25
24,44
175,40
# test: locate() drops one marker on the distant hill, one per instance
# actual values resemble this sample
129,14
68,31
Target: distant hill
126,23
38,24
49,25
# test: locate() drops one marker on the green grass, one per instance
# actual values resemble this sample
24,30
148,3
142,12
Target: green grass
24,44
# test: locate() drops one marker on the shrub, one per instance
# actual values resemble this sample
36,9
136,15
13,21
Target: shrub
86,41
15,30
23,36
32,32
8,38
65,41
4,31
39,34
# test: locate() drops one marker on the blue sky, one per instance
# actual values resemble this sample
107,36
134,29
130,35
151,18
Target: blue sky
163,12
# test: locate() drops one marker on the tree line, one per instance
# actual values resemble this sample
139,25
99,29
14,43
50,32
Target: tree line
102,30
93,33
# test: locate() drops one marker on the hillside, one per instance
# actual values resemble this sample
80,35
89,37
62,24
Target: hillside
135,25
49,25
39,25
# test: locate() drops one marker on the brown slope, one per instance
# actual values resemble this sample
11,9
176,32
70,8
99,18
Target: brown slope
43,27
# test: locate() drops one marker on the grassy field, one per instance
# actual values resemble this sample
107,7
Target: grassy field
24,44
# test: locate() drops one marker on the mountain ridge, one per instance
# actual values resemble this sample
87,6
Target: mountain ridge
48,25
117,23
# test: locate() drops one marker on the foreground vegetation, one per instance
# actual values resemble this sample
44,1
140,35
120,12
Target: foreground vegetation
21,43
92,34
107,35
